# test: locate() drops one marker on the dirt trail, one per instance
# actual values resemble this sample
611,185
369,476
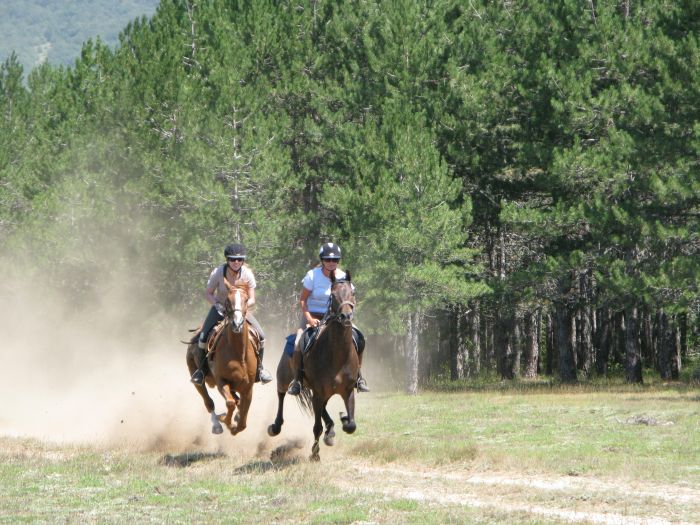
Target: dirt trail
569,499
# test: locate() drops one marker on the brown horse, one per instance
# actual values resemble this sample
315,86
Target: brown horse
232,363
331,366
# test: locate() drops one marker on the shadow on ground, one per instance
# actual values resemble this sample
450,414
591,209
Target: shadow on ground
186,459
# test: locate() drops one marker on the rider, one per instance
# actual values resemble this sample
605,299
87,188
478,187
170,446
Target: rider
235,271
314,300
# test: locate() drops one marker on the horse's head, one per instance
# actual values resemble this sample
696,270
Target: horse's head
236,305
342,300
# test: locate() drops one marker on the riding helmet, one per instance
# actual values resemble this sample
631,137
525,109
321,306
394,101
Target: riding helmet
235,251
329,251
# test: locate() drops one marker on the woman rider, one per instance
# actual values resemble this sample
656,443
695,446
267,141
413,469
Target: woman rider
234,271
314,300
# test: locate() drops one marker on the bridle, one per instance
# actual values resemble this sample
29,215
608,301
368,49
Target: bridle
335,314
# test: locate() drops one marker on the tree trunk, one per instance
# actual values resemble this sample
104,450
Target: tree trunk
532,344
586,356
675,350
550,346
633,359
474,367
603,351
504,344
411,348
517,348
488,357
565,351
683,332
457,344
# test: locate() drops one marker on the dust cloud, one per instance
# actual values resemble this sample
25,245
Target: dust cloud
90,375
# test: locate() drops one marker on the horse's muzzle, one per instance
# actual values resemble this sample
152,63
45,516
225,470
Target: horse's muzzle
345,318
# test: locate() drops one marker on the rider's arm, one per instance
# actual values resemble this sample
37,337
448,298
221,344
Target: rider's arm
305,292
209,295
251,297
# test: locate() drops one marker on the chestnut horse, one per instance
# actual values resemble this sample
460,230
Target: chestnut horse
232,363
331,366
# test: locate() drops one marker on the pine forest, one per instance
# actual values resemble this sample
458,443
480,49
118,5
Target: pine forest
515,185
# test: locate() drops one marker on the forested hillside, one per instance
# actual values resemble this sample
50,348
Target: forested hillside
516,185
54,30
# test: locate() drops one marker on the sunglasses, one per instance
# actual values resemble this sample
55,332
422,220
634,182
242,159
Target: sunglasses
331,260
235,259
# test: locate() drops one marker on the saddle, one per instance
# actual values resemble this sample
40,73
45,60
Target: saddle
311,334
253,337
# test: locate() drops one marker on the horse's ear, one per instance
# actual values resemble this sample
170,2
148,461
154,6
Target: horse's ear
333,276
347,276
227,284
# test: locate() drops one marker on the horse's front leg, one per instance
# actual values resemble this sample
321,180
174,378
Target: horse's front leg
276,427
227,393
349,425
330,428
242,415
319,407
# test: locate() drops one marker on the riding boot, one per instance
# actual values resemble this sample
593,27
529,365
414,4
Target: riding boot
361,383
261,374
295,386
201,355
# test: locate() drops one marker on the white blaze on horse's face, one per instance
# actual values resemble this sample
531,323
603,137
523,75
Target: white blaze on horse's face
344,303
238,317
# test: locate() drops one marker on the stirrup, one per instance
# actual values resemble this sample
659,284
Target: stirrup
198,377
294,388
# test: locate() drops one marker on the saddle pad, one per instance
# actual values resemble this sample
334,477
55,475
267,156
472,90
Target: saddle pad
289,344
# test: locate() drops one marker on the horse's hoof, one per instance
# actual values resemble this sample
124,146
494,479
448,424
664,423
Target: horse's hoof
328,437
273,430
349,428
217,430
315,458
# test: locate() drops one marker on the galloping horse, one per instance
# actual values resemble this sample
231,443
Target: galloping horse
331,366
232,363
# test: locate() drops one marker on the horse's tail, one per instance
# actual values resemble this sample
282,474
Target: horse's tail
304,400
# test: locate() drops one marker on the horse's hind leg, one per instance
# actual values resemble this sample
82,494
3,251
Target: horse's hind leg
330,431
349,425
276,427
204,394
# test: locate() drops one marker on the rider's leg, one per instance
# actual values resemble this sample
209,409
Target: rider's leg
297,364
261,374
361,383
360,342
210,321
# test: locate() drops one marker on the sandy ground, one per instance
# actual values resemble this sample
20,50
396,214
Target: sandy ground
85,377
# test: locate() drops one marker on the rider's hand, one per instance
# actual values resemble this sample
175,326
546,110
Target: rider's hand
314,322
220,309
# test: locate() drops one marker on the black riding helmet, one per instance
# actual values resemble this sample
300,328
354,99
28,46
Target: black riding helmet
235,251
329,251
